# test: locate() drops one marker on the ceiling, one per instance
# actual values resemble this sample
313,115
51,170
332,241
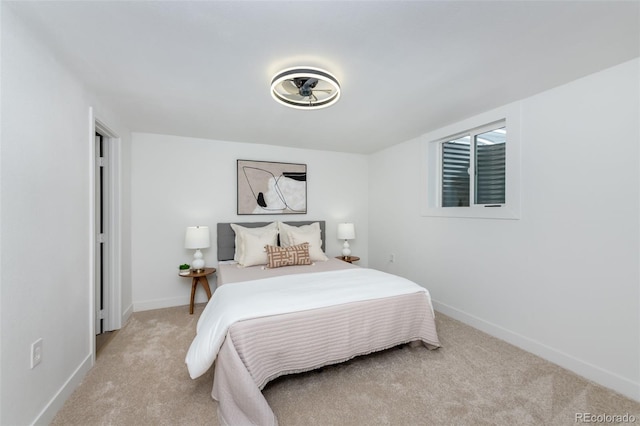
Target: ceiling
203,68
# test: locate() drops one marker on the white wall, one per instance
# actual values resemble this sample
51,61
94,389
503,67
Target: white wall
563,281
45,225
179,182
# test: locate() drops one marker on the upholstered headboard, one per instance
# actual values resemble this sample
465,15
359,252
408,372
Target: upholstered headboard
227,238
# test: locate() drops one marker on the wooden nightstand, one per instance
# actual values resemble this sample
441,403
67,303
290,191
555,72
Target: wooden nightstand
198,277
348,259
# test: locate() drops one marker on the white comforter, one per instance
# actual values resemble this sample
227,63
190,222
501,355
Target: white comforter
280,295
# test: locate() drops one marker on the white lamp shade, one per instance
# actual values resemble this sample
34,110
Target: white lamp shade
346,231
197,237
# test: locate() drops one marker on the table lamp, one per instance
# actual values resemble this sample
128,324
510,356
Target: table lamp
197,237
346,232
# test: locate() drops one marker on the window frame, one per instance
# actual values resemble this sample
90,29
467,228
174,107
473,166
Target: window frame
432,166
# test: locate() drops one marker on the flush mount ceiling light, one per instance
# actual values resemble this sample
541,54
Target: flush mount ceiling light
305,88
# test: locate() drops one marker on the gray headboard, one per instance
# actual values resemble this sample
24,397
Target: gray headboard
227,238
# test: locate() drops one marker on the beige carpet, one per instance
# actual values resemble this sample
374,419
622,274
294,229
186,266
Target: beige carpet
474,379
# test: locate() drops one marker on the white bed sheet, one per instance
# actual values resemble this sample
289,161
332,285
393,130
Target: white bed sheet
283,295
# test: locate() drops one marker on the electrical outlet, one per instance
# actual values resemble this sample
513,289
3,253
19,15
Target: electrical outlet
36,353
392,257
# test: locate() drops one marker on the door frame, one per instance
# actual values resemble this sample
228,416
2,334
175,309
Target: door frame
113,275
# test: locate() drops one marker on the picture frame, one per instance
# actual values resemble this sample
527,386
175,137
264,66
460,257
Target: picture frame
267,187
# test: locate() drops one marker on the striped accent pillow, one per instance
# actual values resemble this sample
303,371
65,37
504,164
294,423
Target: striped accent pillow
287,256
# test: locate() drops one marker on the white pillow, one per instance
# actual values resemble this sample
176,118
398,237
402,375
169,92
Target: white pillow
304,234
240,231
284,229
253,248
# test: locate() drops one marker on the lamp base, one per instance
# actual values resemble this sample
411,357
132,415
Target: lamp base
198,261
346,251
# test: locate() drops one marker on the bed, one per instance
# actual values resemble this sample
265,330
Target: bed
262,323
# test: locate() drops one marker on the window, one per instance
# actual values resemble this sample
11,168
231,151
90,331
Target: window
475,172
481,168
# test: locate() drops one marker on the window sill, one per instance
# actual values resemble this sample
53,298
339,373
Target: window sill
504,212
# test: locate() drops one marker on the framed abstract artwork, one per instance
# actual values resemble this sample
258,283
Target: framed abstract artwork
266,187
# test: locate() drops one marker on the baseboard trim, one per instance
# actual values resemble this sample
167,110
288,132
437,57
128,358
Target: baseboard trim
148,305
585,369
55,404
126,315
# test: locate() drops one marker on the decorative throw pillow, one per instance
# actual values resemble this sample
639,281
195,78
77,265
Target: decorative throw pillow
241,231
287,256
253,252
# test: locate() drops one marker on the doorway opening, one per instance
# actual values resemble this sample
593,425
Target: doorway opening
102,208
106,291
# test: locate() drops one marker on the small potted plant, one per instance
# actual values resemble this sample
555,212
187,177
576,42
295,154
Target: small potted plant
184,269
